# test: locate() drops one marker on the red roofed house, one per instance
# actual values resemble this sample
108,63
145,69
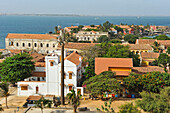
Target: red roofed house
121,66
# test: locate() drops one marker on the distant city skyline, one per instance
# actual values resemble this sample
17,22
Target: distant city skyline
88,7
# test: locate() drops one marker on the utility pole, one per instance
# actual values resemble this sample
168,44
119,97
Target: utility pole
62,42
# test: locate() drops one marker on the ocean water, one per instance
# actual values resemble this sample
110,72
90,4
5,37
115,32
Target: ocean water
44,24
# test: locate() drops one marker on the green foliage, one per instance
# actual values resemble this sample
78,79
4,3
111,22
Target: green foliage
106,26
131,38
91,29
92,25
155,62
146,38
106,108
74,99
1,109
156,47
118,29
1,56
150,82
168,50
42,103
103,38
16,68
155,103
101,83
162,37
128,108
116,41
163,60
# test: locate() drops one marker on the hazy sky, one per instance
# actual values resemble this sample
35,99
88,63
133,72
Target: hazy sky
88,7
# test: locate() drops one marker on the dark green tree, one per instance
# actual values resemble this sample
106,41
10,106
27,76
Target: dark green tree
131,38
103,38
16,68
156,47
155,103
164,60
74,99
105,81
168,50
106,26
4,91
162,37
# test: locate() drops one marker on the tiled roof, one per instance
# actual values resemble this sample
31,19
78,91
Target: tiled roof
15,51
164,42
2,50
103,64
147,55
124,26
34,97
141,47
39,74
143,70
38,57
30,36
39,64
78,46
145,41
74,58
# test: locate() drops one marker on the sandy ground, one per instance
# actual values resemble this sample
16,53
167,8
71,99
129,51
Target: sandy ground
15,101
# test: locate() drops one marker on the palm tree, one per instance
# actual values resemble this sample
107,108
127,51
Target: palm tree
156,46
74,99
4,91
43,103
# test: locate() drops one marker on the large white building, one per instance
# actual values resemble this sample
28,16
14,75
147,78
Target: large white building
47,80
89,35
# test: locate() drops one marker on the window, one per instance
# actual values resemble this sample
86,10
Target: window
11,43
17,44
35,44
47,45
88,38
51,63
23,44
41,45
70,88
70,75
29,44
24,87
53,45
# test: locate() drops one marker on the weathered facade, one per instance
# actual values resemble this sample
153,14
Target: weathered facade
42,43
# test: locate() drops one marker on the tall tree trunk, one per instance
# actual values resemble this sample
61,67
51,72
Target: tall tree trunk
6,101
62,74
41,110
74,110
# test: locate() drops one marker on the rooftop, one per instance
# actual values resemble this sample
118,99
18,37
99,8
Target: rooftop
145,41
140,47
147,55
34,97
143,70
30,36
103,64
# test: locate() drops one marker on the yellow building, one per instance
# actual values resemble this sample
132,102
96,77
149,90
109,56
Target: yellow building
139,48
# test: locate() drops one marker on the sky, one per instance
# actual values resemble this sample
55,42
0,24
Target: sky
88,7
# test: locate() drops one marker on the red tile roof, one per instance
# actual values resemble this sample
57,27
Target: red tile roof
103,64
34,97
78,46
141,47
74,58
30,36
143,70
146,55
145,41
166,43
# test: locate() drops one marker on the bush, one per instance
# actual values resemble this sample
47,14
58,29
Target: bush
162,37
155,103
128,108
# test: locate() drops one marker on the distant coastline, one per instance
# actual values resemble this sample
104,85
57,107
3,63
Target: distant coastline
15,14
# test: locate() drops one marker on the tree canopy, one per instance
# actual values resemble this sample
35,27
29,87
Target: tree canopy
103,38
16,68
162,37
155,103
150,82
131,38
101,83
164,60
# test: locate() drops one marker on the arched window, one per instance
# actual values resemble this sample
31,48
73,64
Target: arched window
53,45
84,38
88,38
35,44
41,44
47,45
17,44
23,44
11,43
29,44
